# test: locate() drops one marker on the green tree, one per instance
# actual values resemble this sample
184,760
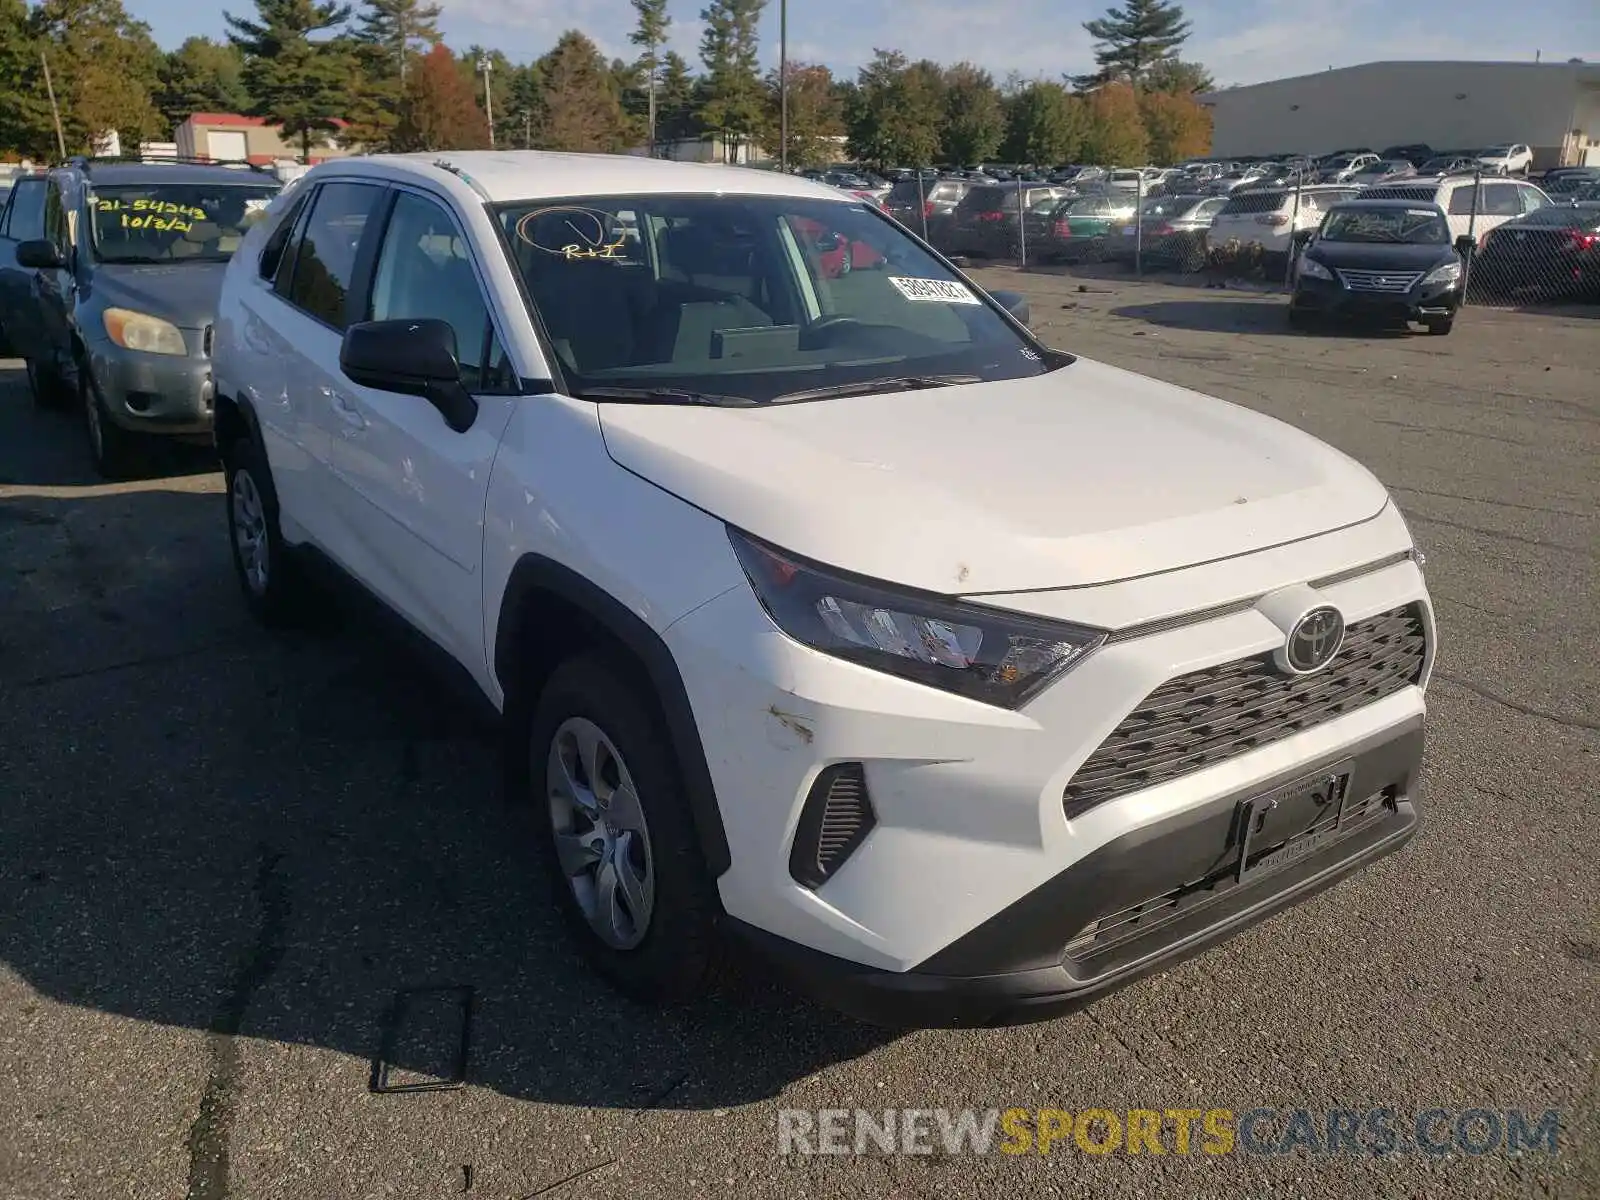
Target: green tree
974,118
675,99
895,113
1114,133
522,107
649,34
816,119
1178,127
579,108
1132,39
295,83
25,125
437,108
732,101
1045,124
201,76
400,29
1178,77
104,67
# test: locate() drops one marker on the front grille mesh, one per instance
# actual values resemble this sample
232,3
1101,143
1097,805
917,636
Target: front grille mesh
1208,716
1380,281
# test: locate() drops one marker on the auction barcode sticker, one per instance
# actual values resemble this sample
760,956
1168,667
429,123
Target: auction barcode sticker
945,291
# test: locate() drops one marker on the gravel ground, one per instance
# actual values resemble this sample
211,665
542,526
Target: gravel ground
222,851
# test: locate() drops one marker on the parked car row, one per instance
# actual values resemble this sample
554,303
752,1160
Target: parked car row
109,276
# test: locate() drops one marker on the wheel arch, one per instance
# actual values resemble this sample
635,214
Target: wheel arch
548,612
231,420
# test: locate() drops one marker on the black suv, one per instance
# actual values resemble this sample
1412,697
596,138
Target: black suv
109,277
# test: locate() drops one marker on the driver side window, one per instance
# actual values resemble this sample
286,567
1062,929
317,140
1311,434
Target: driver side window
425,271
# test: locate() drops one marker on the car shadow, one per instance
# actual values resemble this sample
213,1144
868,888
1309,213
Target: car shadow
273,835
1228,314
48,447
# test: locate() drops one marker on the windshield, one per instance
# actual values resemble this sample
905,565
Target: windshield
748,297
161,222
1412,226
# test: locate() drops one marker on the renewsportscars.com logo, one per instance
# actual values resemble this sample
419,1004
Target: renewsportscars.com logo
1372,1132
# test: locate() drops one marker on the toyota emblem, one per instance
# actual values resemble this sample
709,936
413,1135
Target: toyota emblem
1312,642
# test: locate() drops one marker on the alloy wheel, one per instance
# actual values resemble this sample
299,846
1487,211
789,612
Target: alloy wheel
601,838
250,532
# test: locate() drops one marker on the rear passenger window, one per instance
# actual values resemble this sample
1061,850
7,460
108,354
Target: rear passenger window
325,258
272,253
424,272
1500,200
27,211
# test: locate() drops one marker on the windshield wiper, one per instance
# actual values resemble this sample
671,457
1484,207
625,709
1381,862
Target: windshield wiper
899,383
663,395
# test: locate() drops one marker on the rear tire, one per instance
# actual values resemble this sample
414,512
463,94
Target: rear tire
618,836
274,590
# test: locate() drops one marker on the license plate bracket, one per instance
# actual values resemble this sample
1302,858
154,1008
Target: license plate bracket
1289,823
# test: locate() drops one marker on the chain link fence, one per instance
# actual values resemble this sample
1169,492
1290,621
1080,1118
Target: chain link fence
1520,246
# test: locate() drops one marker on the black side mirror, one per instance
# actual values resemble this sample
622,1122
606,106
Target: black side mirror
40,254
1466,244
414,358
1014,303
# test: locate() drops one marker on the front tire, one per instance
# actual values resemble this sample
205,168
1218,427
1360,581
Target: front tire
618,835
1440,326
273,589
115,452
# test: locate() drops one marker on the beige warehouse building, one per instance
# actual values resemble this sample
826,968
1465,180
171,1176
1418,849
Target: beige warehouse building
1552,107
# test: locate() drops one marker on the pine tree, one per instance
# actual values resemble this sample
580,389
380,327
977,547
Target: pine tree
649,35
732,101
579,108
437,108
295,83
1132,39
201,76
675,99
401,28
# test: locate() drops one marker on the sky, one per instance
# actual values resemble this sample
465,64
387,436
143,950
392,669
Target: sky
1241,41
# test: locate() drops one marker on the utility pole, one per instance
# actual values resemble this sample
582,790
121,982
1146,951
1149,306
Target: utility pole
783,85
486,65
55,109
655,51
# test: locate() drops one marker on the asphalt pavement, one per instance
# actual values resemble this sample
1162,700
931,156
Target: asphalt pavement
223,852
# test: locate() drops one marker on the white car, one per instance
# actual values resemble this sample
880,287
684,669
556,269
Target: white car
964,677
1513,159
1496,201
1270,217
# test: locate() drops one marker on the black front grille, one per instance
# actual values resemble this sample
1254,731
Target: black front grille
1212,715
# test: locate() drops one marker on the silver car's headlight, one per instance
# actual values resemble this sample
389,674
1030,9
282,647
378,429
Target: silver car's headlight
995,657
140,331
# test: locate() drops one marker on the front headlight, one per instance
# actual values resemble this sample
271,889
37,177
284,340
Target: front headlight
140,331
980,653
1312,269
1444,273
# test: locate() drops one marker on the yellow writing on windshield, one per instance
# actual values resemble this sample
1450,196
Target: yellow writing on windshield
613,250
164,224
150,208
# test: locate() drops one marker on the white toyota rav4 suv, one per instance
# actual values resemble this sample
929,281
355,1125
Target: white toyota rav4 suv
824,606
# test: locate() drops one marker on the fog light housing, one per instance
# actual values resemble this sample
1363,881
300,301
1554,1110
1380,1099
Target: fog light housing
835,820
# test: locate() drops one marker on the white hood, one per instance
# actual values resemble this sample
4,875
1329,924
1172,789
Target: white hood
1086,475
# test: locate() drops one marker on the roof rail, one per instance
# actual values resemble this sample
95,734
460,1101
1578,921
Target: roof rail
87,162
